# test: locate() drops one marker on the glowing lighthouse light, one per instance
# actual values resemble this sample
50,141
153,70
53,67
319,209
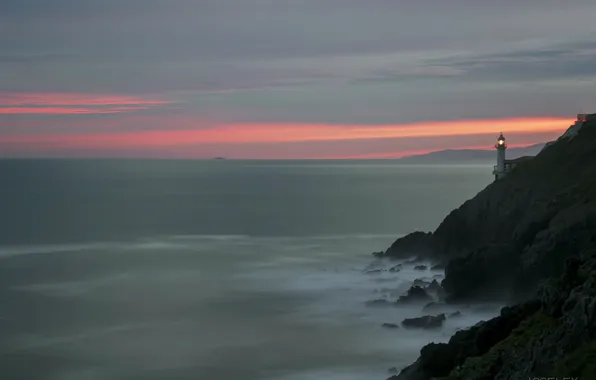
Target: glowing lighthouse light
501,146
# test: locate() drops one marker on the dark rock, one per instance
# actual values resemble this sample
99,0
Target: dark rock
436,289
396,268
378,254
559,338
440,266
414,244
421,267
493,331
393,370
414,294
390,325
426,322
516,232
528,239
439,359
434,286
482,275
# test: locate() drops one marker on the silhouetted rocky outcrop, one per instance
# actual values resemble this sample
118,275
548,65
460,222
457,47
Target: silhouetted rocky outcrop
414,294
555,333
435,289
516,232
414,244
425,322
529,240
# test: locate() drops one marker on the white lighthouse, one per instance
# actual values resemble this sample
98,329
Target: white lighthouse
501,147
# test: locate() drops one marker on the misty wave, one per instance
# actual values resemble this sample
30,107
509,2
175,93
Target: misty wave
214,306
57,248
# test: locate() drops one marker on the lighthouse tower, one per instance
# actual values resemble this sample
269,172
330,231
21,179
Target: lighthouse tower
501,146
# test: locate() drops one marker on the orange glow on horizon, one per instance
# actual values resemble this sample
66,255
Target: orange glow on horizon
287,133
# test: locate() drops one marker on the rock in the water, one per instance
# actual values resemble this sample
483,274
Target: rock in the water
421,267
396,268
377,303
390,325
414,294
436,289
378,254
393,370
440,266
416,243
426,322
454,314
434,286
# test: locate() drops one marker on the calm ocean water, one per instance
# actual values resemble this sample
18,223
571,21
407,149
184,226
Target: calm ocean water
212,269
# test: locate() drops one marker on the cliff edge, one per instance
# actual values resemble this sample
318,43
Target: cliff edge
528,240
518,230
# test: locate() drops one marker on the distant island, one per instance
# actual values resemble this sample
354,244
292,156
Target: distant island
468,155
219,158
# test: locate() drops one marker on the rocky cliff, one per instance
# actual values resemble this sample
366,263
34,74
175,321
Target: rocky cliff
530,239
553,335
517,231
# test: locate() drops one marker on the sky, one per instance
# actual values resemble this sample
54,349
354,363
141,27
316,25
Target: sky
289,78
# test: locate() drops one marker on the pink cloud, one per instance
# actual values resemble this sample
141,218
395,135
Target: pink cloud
67,110
72,104
73,99
305,140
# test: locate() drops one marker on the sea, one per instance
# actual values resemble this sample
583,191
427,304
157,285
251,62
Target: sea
215,269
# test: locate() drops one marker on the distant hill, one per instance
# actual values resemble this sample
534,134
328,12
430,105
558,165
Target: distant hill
468,155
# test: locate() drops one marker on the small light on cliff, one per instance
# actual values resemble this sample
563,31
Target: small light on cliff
500,141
